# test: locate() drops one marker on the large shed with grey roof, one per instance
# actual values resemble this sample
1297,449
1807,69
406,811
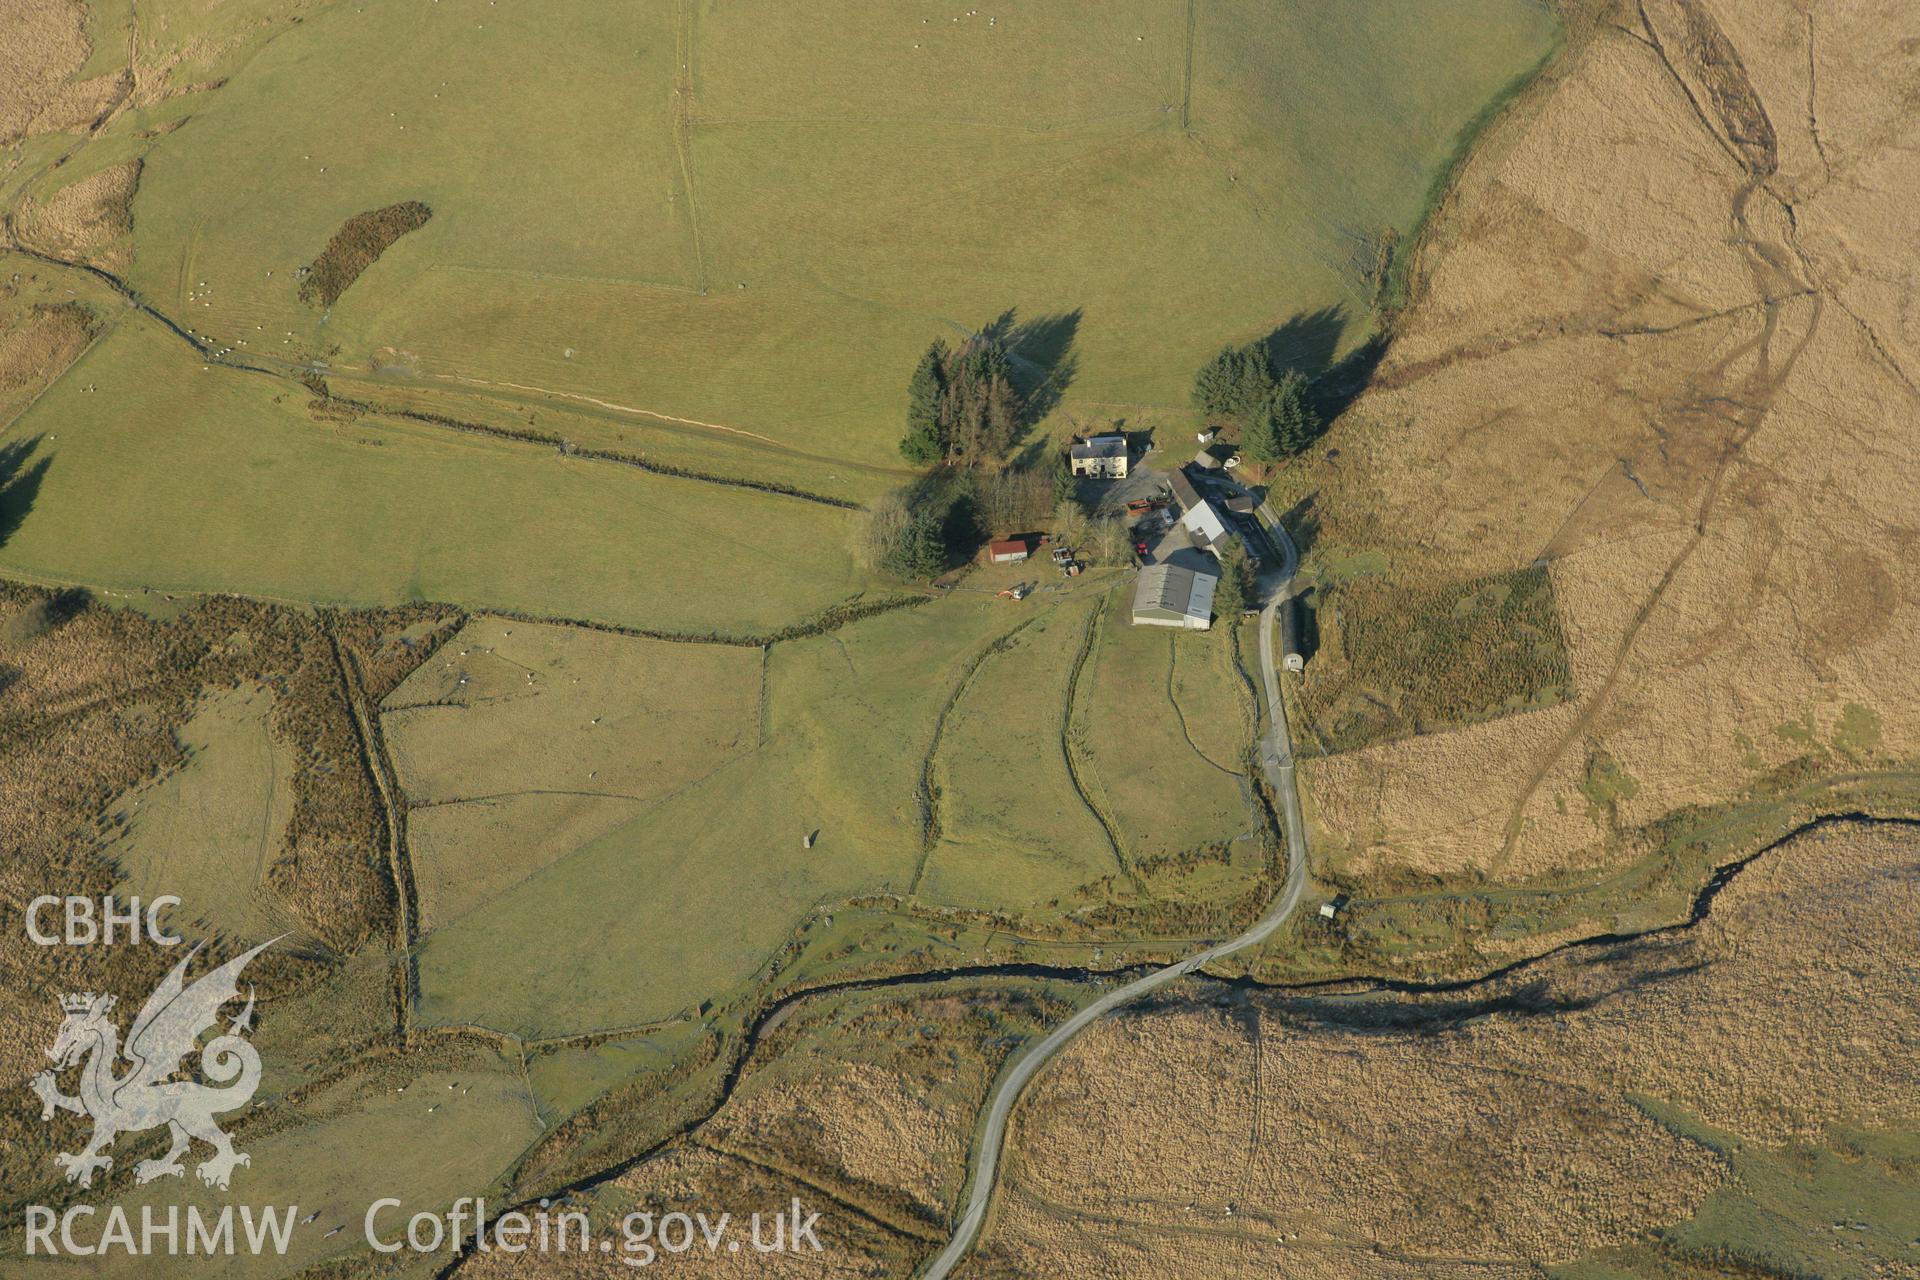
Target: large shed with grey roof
1170,595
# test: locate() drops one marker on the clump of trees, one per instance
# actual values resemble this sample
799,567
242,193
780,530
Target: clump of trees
1239,588
356,246
925,528
904,538
1095,539
964,417
962,406
1231,387
1239,388
1012,498
1108,541
1066,488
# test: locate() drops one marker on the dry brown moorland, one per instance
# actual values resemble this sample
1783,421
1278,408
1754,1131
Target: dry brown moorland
1661,340
93,701
1487,1131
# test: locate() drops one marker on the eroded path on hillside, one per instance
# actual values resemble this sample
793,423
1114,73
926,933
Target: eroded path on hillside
1732,396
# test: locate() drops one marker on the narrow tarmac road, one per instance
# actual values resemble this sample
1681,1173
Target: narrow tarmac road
1276,758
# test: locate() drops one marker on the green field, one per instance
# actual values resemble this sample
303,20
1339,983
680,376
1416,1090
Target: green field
1014,832
1215,701
690,897
335,1151
715,234
566,904
708,236
517,743
186,478
207,832
1165,767
753,214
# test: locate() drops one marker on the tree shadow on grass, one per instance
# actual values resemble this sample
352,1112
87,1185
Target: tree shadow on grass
1335,390
41,616
19,484
1041,354
1306,342
1306,623
1302,523
1030,455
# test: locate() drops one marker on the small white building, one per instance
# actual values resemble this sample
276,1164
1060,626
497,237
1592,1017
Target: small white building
1169,595
1100,457
1204,521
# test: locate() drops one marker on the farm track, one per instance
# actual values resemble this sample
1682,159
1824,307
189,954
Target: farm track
212,354
451,801
614,411
821,624
10,240
1186,72
768,1017
777,1010
1769,303
891,1222
824,623
612,456
1173,666
681,112
1276,755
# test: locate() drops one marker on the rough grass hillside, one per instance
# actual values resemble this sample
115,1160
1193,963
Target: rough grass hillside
1703,433
38,341
89,219
1393,660
214,757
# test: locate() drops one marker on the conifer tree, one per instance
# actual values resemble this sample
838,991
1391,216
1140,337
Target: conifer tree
924,441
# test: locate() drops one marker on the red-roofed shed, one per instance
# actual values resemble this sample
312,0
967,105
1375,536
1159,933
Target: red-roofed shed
1007,551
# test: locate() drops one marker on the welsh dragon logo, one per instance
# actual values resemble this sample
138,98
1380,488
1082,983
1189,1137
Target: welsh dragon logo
147,1095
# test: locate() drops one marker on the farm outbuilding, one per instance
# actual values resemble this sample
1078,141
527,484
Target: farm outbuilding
1168,595
1008,551
1216,454
1184,492
1204,521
